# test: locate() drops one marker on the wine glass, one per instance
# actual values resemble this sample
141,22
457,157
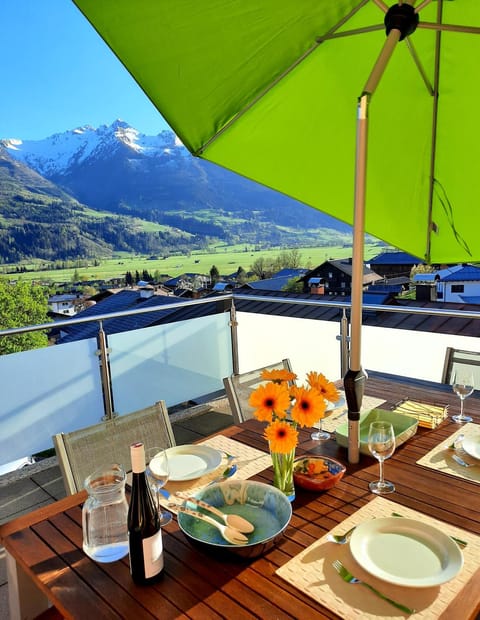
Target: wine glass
381,443
320,434
158,473
462,385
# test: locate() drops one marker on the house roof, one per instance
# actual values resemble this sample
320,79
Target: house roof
290,273
121,301
345,265
270,284
421,322
395,258
466,273
440,274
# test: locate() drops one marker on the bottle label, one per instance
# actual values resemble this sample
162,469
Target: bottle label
153,554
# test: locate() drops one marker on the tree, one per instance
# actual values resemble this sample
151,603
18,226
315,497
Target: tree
214,274
241,275
293,286
22,305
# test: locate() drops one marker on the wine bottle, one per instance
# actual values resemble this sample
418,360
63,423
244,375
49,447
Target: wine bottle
144,532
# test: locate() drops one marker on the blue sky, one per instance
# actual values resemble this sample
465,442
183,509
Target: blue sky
57,74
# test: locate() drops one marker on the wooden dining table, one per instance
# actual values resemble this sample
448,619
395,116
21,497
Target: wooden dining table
46,564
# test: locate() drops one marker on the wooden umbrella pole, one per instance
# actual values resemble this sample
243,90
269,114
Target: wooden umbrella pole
354,379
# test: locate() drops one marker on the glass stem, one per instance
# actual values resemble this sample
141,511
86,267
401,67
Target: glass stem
461,407
380,462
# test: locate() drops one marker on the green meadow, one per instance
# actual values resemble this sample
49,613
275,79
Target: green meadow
227,259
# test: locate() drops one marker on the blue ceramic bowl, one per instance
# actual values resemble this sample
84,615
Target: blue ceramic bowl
263,505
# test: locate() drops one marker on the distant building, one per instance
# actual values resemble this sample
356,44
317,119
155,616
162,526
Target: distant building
334,277
394,264
66,304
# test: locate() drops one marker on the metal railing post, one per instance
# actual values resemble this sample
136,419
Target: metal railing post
104,366
234,337
344,339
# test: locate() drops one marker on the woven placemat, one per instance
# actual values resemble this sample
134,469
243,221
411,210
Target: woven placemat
312,572
339,415
249,461
440,458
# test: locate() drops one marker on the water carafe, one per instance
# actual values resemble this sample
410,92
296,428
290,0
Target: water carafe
104,515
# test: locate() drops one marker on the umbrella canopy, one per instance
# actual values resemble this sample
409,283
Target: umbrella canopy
269,90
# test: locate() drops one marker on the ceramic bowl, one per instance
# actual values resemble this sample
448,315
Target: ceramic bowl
263,505
317,473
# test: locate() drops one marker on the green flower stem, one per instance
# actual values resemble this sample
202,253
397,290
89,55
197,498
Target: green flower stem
283,472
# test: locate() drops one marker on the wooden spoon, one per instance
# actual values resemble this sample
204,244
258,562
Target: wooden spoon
235,521
230,534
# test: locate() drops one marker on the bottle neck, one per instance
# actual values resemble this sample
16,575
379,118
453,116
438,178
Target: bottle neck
137,453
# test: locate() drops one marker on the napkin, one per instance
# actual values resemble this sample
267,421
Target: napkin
428,415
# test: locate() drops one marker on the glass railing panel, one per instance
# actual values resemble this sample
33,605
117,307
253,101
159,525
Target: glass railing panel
47,391
416,354
176,362
309,344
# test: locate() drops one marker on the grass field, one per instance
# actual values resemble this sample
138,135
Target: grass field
226,259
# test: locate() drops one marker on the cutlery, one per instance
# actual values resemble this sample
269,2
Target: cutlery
227,473
232,520
341,539
461,462
230,534
459,541
349,578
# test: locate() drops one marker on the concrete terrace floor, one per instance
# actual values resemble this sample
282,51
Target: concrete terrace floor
41,484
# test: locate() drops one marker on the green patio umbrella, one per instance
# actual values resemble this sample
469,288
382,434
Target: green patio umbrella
279,92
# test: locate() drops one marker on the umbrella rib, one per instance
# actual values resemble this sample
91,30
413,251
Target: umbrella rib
284,73
436,79
418,64
349,33
449,27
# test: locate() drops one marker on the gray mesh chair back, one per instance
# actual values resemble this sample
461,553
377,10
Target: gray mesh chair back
455,358
239,387
81,452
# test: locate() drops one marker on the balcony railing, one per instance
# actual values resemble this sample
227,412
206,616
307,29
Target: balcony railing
68,386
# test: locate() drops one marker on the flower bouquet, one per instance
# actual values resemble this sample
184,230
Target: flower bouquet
285,406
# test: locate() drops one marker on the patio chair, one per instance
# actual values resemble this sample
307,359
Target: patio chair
239,387
455,358
81,452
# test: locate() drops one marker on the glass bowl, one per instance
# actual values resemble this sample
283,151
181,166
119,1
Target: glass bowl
317,473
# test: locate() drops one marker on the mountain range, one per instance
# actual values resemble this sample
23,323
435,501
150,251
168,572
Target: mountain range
90,192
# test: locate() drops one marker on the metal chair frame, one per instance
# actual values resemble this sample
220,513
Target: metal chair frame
458,357
239,387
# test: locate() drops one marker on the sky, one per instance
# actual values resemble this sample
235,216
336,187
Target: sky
57,74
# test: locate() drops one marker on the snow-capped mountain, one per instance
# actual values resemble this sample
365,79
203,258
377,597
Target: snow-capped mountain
54,155
119,170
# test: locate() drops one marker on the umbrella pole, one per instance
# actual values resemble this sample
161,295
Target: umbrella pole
354,380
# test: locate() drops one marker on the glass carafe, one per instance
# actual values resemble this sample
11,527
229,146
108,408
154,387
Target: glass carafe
104,515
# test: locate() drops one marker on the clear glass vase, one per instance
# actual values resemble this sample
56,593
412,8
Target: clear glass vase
283,472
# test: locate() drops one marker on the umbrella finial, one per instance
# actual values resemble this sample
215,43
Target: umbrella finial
401,17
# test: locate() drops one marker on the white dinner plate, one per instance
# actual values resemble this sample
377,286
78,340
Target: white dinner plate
192,461
471,445
406,552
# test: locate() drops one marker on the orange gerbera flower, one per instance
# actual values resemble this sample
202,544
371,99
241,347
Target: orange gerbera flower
309,406
269,400
281,436
278,375
326,388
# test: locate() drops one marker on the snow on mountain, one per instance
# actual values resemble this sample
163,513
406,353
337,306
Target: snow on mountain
55,154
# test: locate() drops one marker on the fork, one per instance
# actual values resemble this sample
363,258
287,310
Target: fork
349,578
461,462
